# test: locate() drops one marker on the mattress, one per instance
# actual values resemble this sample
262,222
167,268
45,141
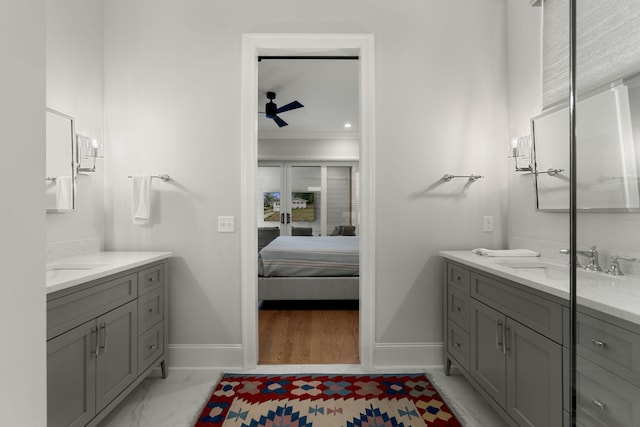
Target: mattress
306,256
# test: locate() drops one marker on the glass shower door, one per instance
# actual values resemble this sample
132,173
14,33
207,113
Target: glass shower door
605,214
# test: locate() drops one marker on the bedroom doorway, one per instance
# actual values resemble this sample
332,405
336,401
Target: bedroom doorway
308,308
253,46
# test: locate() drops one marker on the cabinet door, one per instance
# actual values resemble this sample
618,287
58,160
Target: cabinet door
116,364
71,377
487,350
534,377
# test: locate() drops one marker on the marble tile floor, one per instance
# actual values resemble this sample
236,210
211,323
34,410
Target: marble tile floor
177,400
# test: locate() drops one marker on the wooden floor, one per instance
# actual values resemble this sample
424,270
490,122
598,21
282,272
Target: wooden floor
303,333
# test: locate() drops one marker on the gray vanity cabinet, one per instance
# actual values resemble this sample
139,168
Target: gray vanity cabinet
90,365
116,363
534,377
519,368
96,350
608,370
488,363
515,350
71,377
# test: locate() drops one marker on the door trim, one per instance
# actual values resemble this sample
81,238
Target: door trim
254,45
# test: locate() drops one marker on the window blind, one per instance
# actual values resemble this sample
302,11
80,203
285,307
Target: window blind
608,45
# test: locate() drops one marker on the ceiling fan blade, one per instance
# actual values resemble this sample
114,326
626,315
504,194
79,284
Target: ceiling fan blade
279,121
290,106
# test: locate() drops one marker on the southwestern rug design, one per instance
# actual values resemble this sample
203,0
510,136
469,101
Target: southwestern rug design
401,400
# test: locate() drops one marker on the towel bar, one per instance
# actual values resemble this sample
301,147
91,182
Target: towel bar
473,177
163,177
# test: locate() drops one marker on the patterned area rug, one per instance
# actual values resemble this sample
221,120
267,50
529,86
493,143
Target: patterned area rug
400,400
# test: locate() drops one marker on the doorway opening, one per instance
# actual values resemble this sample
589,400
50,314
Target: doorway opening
306,44
308,263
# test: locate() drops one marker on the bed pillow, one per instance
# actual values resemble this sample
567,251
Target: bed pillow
336,231
348,230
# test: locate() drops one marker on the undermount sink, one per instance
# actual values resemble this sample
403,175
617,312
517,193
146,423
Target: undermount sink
537,268
54,270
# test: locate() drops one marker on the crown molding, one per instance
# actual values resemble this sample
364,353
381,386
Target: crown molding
276,134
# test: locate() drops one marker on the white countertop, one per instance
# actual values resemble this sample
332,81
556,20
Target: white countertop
67,272
618,296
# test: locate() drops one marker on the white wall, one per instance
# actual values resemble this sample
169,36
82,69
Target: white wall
22,223
75,87
322,149
525,101
172,90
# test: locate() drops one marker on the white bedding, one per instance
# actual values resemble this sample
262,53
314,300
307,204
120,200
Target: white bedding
305,256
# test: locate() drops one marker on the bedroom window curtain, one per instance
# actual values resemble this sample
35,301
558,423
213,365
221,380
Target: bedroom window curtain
608,47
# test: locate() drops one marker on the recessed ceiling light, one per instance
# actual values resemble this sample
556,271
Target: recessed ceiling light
347,125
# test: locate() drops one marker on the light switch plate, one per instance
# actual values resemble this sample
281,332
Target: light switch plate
487,224
226,224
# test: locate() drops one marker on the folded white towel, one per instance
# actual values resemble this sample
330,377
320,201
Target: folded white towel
140,199
505,252
64,192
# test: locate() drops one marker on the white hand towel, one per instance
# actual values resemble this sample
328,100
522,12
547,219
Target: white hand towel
140,199
505,252
64,192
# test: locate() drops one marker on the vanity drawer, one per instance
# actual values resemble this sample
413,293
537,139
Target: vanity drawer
539,314
150,309
150,346
150,279
613,348
73,309
458,277
604,399
458,345
458,307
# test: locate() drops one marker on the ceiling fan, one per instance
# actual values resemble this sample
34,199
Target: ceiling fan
271,110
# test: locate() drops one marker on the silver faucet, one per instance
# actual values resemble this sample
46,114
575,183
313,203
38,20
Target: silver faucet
614,266
592,255
567,252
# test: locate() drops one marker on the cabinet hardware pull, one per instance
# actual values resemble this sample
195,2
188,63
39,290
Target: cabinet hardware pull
458,345
499,334
96,331
151,279
105,337
598,404
103,327
598,343
458,308
151,310
152,347
458,278
507,332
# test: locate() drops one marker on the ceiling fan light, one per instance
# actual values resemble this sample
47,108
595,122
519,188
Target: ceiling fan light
270,109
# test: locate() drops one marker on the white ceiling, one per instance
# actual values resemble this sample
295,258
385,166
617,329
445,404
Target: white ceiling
328,89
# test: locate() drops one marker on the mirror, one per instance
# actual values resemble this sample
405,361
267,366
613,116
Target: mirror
607,148
60,178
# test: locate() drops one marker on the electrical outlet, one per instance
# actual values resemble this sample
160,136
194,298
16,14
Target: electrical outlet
226,224
487,224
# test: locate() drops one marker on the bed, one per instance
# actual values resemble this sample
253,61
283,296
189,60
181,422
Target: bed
309,268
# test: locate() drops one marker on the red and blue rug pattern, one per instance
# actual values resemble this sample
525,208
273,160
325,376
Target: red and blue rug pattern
400,400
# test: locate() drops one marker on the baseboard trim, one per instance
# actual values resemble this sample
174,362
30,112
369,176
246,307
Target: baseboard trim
206,356
408,355
230,357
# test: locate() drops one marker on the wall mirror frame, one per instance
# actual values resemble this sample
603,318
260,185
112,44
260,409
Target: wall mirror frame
60,169
607,150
